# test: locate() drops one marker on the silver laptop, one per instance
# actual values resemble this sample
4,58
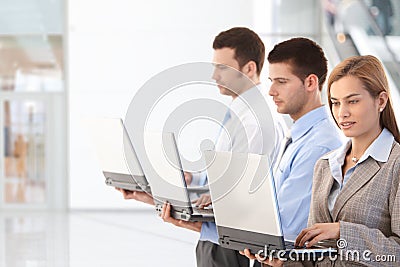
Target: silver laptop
164,171
118,160
245,206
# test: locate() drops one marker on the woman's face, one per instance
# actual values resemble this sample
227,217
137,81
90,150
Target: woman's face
354,109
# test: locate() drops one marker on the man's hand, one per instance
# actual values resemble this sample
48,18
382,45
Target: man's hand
188,177
166,216
203,201
137,195
263,259
318,232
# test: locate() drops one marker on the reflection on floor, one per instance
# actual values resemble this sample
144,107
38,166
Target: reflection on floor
76,239
21,190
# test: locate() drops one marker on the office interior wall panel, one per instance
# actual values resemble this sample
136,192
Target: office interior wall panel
114,47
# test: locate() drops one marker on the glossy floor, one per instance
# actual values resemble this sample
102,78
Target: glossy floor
76,239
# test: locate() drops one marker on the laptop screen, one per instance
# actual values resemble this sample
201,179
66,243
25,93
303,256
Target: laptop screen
163,169
113,146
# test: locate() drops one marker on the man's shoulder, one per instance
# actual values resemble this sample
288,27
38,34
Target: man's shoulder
320,140
325,132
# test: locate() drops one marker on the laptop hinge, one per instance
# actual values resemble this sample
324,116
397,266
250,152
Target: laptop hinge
184,211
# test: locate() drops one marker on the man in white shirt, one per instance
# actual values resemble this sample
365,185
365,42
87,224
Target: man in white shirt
248,127
251,125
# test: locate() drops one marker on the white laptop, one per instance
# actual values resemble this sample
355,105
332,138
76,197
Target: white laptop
118,160
164,171
245,205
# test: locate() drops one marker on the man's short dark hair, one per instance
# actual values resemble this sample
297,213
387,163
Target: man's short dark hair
305,57
246,43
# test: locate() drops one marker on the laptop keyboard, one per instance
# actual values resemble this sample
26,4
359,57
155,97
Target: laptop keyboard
290,245
203,211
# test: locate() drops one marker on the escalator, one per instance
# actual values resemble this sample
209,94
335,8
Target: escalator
357,29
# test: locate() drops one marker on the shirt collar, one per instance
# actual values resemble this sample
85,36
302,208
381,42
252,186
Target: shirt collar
307,121
336,159
378,150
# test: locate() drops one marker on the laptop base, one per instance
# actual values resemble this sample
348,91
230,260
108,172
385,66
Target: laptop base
187,214
240,239
125,181
269,245
198,189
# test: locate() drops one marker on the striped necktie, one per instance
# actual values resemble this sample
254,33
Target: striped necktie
286,141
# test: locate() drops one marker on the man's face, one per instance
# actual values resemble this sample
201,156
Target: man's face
227,73
288,91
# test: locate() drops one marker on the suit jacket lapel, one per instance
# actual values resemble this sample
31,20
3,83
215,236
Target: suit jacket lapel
361,175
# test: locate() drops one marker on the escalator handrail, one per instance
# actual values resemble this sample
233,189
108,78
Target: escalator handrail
376,29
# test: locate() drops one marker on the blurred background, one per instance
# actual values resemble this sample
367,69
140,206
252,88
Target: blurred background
61,61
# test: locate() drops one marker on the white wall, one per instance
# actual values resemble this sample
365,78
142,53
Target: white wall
113,48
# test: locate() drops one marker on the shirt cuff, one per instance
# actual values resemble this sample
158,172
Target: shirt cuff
209,232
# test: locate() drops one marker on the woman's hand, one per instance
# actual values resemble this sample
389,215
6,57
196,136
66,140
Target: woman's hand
318,232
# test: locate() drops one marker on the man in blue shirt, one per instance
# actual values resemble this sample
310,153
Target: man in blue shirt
297,70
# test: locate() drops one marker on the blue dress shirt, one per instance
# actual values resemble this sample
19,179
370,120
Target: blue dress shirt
378,150
313,135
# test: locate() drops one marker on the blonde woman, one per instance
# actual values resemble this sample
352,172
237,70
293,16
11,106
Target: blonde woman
356,194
